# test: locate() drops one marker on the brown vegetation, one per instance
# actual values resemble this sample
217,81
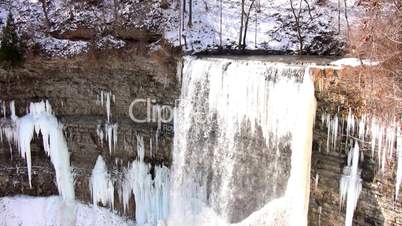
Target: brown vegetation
374,89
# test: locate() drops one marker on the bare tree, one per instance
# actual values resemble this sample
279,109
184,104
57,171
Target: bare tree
241,22
257,11
309,9
346,17
297,16
45,8
339,16
347,20
246,24
220,22
181,24
116,6
244,21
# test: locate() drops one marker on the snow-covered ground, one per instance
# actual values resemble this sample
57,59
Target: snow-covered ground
49,211
271,28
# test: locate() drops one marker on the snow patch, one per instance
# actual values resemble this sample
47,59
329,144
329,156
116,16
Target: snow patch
27,211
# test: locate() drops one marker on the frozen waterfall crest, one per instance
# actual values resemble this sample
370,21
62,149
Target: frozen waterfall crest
242,146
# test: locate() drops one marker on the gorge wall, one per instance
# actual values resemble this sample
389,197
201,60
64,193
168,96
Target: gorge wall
73,87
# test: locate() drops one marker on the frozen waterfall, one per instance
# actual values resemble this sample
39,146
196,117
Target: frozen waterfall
242,146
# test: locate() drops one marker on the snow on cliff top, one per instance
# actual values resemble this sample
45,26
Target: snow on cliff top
273,28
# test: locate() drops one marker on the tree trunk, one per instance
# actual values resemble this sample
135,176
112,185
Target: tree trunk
190,13
256,28
246,24
220,24
116,12
44,8
339,16
347,20
241,22
297,21
181,20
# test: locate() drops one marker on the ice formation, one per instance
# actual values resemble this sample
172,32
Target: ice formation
101,184
319,215
399,162
383,136
100,133
351,184
105,99
110,129
151,195
222,102
40,120
332,131
111,135
316,180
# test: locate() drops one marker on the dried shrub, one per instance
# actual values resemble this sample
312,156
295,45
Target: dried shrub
379,39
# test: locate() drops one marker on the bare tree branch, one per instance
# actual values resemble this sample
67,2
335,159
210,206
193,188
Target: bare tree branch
298,25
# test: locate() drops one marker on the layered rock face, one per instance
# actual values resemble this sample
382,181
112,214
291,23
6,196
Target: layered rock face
74,89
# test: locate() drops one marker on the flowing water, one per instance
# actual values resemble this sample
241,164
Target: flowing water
242,147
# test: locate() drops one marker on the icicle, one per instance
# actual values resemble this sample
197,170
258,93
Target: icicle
115,126
328,122
335,131
390,138
349,125
111,135
362,123
101,185
374,132
140,148
105,99
317,176
379,150
319,215
351,184
399,162
12,110
4,108
150,146
101,97
323,119
100,134
108,106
